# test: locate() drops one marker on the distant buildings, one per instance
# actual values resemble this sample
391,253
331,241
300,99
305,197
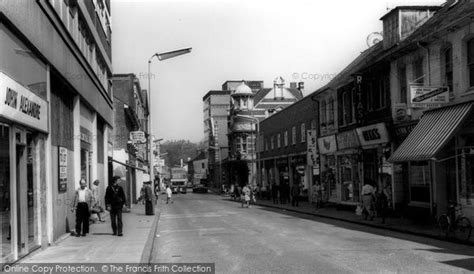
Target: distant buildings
130,156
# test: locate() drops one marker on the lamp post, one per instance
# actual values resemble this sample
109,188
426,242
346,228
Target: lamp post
161,57
257,129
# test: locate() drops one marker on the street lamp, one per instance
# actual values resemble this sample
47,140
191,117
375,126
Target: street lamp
161,57
257,124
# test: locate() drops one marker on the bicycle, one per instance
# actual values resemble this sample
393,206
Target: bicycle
461,227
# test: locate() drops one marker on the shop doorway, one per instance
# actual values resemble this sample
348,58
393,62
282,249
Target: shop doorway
86,167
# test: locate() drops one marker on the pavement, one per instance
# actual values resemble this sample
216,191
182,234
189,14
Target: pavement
100,246
397,224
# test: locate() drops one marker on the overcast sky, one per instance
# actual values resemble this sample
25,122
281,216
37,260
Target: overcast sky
299,40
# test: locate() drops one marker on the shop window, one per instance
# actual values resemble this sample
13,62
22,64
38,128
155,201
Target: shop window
470,61
5,192
348,166
419,178
293,135
303,132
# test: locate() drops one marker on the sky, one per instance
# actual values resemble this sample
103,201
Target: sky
299,40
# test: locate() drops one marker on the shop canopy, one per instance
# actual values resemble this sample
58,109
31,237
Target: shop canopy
430,135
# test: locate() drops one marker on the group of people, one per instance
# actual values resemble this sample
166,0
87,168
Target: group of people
285,194
374,203
247,195
86,202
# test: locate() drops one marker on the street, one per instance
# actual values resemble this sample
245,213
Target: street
206,228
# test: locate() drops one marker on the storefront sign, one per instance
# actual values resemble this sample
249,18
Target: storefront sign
312,148
327,144
428,97
348,139
20,105
62,182
373,134
137,137
402,132
86,135
282,162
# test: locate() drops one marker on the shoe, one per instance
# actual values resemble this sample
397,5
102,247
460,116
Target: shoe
120,234
83,234
115,234
78,235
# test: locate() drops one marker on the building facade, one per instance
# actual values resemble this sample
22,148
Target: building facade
247,108
130,156
55,117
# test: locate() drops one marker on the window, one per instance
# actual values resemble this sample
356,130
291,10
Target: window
272,139
331,111
303,132
448,68
370,99
266,144
203,166
293,135
346,108
419,181
244,145
470,61
278,140
323,113
418,76
313,124
402,82
286,138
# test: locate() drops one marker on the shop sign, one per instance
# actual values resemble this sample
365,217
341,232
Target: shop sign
282,162
401,112
428,97
312,148
86,135
20,105
373,134
298,160
348,139
402,132
137,137
62,156
327,144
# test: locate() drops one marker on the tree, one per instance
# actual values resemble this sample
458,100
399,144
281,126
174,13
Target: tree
180,149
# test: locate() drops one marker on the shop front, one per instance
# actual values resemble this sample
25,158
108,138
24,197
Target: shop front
300,174
348,155
376,148
329,187
437,158
23,131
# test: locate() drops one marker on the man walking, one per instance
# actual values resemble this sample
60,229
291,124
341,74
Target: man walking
82,204
114,200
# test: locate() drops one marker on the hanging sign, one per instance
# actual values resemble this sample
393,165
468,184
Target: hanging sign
312,148
327,144
428,97
373,134
62,182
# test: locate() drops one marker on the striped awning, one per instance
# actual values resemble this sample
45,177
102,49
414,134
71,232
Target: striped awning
435,129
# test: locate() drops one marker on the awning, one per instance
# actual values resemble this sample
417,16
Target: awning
127,165
435,129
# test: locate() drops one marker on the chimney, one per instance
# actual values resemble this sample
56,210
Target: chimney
402,21
293,85
301,86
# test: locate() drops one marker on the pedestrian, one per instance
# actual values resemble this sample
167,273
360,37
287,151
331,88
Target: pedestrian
382,204
275,193
169,193
295,194
246,196
157,190
97,208
148,198
115,200
83,200
368,199
316,195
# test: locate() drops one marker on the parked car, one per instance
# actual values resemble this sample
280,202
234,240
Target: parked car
200,188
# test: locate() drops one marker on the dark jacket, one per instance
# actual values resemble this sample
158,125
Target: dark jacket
115,197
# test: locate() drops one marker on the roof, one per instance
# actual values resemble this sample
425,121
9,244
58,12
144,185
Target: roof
243,89
215,92
200,156
264,91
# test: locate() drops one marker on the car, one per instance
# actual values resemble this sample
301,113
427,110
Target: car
200,188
